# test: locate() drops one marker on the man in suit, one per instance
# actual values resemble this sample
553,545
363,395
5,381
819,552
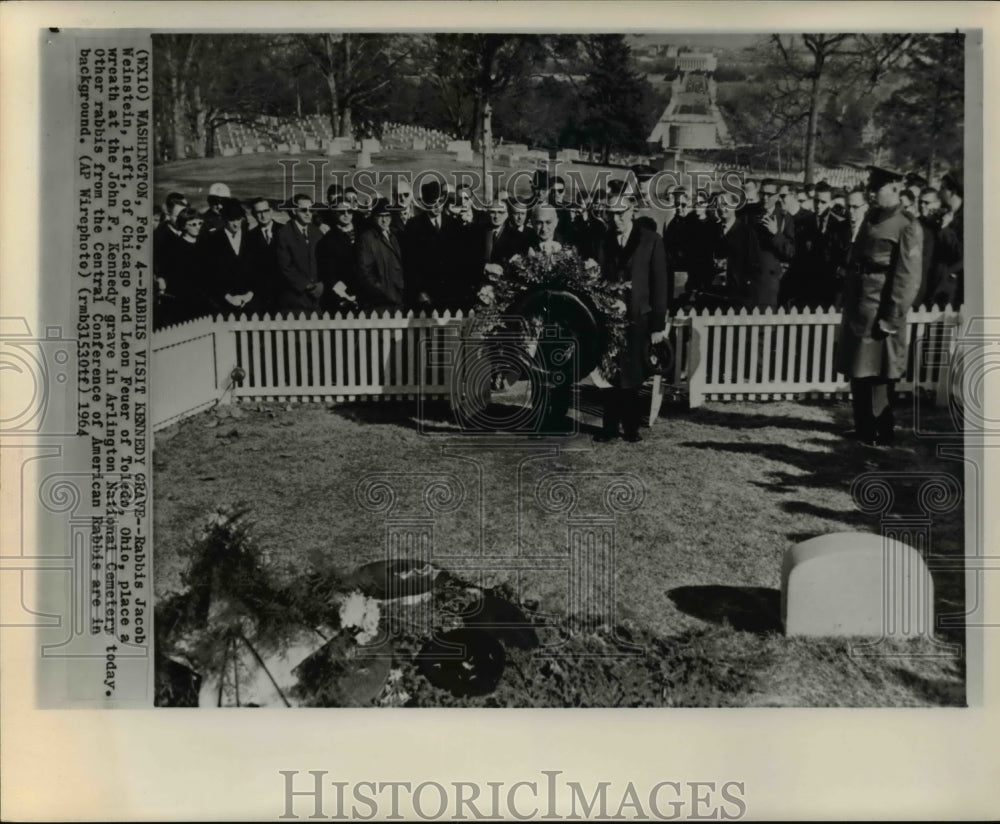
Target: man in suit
428,259
231,265
300,287
163,237
381,281
337,259
798,282
262,241
883,279
833,237
676,239
515,236
929,209
736,244
950,264
776,239
633,254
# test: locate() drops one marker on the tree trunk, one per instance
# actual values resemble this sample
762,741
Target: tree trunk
209,140
177,130
346,121
199,122
810,158
331,83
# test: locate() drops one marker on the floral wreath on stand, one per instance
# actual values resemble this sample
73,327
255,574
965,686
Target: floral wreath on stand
559,268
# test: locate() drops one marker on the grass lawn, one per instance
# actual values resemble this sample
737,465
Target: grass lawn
728,488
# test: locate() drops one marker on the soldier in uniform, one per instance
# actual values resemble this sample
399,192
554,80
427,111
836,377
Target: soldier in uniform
883,278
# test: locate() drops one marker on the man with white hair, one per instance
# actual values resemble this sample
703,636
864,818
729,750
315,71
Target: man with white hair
633,254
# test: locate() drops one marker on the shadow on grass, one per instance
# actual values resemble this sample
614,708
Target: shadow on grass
749,609
742,421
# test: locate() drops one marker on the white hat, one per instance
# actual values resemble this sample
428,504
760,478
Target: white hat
218,190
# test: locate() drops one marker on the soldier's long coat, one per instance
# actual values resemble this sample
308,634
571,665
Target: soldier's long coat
889,239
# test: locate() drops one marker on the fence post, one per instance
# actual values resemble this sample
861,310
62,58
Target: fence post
224,345
950,322
696,360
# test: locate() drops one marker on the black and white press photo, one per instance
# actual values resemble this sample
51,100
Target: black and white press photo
563,370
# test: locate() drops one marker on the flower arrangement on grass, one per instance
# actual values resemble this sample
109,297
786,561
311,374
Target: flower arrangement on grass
558,268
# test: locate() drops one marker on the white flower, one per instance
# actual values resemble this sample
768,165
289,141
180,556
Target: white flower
550,247
486,295
359,612
517,260
493,269
591,267
619,307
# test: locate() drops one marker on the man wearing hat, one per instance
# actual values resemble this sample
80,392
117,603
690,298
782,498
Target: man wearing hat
337,258
883,278
218,194
231,265
633,254
381,282
428,260
300,287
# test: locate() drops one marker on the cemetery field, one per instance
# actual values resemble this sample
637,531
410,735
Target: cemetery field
727,489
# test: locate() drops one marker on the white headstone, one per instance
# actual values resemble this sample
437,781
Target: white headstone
459,145
856,584
364,160
331,147
419,144
464,155
371,145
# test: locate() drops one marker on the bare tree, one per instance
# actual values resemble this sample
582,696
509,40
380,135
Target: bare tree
811,63
355,67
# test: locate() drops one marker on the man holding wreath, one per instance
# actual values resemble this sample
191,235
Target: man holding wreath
633,254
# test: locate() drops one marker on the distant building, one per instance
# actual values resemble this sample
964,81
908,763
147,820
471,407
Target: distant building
692,119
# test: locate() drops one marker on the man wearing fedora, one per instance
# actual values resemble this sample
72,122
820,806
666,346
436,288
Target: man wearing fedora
300,288
633,254
231,265
381,284
883,277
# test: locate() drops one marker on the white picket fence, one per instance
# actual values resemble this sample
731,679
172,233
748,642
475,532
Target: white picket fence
790,354
718,356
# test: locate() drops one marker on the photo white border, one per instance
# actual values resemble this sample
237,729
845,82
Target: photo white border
183,765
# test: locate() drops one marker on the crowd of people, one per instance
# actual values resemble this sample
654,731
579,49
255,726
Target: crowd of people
771,244
874,252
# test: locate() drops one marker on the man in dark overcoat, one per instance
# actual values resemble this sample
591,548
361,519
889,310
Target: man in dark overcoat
380,280
633,254
231,266
883,278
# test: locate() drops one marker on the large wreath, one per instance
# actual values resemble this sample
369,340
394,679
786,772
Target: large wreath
557,268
